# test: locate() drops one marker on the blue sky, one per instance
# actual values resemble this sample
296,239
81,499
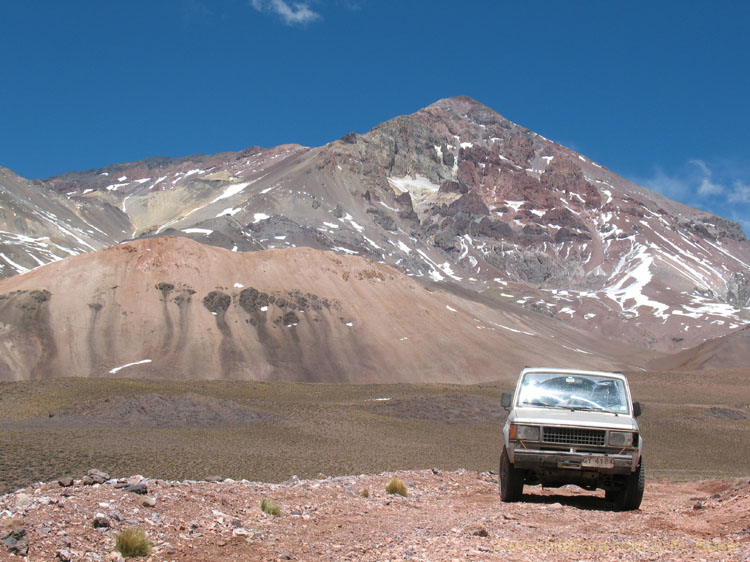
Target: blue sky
656,91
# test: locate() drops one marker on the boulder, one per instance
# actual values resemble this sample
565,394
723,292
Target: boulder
95,476
13,536
65,481
136,489
22,500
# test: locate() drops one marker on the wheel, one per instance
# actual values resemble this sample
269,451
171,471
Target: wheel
610,495
631,495
511,480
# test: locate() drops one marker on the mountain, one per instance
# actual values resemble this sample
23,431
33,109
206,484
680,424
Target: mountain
170,307
456,197
39,226
726,352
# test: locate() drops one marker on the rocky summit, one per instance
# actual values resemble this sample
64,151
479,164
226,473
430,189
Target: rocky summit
455,201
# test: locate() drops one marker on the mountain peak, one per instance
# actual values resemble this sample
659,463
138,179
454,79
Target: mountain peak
457,101
452,194
469,107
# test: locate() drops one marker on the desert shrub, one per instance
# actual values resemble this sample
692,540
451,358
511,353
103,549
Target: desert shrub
133,542
270,506
396,486
364,493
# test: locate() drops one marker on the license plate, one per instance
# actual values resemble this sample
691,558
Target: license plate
598,462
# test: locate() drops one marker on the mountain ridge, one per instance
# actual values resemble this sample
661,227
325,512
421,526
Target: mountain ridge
455,196
170,307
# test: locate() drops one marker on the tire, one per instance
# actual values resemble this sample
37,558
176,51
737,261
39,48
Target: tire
630,496
511,480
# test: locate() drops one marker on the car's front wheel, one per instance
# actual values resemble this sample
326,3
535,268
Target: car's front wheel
511,480
631,495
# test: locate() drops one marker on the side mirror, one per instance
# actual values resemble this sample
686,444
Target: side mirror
636,409
505,400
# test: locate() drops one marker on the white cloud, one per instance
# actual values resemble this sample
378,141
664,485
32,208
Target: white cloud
669,185
693,180
298,13
719,187
706,187
740,192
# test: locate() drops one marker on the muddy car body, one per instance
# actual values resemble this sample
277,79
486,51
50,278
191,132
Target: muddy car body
569,426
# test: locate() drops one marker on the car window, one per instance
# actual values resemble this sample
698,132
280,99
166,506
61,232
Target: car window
561,390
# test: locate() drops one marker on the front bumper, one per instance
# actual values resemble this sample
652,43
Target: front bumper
536,460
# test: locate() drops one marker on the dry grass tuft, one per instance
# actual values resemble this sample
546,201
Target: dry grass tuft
396,486
133,542
270,506
365,493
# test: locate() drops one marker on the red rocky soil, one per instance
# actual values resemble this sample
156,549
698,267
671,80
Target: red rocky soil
446,516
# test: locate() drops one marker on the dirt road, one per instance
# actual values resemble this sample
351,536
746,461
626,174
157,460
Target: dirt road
446,516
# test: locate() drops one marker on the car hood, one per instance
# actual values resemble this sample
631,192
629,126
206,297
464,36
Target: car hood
549,416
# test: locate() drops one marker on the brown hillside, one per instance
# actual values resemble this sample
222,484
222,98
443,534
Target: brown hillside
175,308
727,352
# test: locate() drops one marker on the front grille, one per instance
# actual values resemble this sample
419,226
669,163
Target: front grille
573,436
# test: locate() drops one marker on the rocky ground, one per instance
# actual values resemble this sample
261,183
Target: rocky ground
446,516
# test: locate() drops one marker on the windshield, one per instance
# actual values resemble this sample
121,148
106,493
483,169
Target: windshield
575,391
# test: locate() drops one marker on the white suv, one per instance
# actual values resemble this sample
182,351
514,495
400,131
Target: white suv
568,426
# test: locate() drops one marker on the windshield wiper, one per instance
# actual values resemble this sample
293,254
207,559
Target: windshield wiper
589,409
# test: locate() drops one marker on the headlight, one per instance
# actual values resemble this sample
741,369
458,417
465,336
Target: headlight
621,438
527,432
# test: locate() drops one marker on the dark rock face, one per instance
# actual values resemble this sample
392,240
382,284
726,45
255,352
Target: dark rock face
566,175
27,314
217,302
251,299
449,186
492,228
739,289
290,318
563,217
470,203
533,268
531,230
407,207
446,240
565,234
483,115
382,219
350,138
719,227
165,289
